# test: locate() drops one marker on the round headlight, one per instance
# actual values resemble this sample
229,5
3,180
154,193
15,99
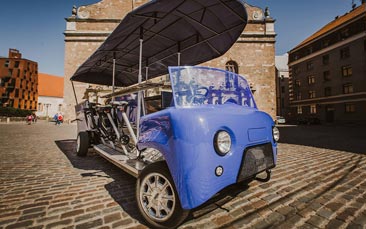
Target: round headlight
222,142
276,134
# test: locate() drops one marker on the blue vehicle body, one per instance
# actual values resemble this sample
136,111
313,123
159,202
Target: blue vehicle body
185,132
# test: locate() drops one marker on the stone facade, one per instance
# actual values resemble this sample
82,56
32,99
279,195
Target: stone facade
254,52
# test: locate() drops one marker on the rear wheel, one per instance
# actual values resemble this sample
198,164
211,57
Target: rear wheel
82,144
157,198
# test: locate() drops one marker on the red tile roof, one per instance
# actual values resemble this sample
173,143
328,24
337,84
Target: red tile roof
49,85
334,24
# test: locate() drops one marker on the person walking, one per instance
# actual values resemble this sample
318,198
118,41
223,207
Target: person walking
60,119
29,119
55,117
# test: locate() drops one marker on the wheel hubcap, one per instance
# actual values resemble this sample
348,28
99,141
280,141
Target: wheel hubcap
157,197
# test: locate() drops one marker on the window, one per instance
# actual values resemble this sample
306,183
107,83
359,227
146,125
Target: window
297,83
296,70
7,63
309,51
326,59
298,96
232,66
346,71
311,80
327,91
326,76
344,33
313,109
311,94
325,43
345,53
309,66
349,108
347,88
282,78
299,109
60,107
16,65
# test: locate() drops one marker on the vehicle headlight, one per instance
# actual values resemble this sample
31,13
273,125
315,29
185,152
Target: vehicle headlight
276,134
222,142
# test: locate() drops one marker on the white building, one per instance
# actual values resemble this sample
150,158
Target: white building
50,95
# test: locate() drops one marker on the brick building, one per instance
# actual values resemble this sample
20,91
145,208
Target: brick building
328,71
282,86
253,55
18,81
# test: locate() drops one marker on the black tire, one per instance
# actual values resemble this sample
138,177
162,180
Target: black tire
171,214
82,144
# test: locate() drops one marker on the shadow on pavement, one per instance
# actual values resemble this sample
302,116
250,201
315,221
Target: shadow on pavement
350,138
220,199
122,189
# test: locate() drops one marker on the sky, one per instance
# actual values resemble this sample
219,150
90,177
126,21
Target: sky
35,27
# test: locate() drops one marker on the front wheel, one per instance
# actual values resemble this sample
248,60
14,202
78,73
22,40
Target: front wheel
157,198
82,144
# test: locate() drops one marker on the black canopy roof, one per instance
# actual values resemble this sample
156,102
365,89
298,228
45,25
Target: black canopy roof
200,29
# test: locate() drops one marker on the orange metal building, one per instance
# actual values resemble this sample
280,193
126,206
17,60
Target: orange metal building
18,82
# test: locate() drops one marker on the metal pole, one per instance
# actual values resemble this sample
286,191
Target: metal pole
113,74
179,53
139,95
147,69
73,88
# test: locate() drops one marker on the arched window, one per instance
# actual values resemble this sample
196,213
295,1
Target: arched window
232,66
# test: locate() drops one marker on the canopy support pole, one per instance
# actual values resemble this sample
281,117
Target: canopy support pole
139,94
147,69
178,53
146,79
113,74
73,89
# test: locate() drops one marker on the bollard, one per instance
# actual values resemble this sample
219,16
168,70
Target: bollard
8,120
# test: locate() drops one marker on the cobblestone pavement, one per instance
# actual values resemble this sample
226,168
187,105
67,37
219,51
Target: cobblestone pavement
44,185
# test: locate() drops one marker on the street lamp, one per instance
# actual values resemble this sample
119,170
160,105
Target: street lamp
47,105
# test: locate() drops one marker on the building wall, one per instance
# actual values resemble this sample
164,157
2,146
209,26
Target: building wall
19,82
48,106
283,100
338,98
254,51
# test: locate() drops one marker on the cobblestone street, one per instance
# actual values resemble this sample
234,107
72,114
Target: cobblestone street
45,185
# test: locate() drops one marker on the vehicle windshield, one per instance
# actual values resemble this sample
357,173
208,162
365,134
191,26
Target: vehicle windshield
194,86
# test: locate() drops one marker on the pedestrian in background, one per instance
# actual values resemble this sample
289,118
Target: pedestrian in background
29,119
34,118
60,119
55,117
